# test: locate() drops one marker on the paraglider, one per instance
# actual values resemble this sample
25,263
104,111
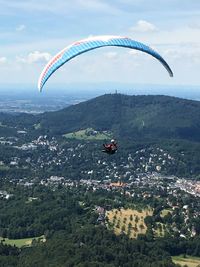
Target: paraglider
110,148
91,43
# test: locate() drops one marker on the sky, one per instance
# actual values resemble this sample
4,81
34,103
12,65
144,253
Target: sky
32,31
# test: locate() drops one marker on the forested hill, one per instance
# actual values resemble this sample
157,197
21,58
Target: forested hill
135,117
129,116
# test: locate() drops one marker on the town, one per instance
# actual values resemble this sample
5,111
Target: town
140,176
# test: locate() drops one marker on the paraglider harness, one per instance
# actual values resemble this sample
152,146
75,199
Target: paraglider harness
110,148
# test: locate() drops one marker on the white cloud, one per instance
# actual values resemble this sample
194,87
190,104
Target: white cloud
20,28
144,26
3,60
59,6
111,55
93,4
174,54
134,52
188,54
34,57
194,25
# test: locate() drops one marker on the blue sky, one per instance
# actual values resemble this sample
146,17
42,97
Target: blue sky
32,31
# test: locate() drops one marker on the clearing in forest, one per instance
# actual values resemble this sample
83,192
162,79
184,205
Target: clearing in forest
187,260
128,221
27,242
89,134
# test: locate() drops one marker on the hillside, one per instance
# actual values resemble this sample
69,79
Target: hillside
65,203
127,117
137,117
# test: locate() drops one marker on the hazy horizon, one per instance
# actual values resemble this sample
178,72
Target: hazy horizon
95,89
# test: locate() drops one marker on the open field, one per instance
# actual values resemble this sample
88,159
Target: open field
21,242
37,126
129,221
164,212
88,134
189,261
4,168
160,230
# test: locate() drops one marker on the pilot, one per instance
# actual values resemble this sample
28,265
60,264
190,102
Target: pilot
110,148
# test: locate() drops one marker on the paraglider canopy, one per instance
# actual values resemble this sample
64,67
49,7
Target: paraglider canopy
91,43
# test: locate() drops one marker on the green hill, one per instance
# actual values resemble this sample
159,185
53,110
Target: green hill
127,117
135,117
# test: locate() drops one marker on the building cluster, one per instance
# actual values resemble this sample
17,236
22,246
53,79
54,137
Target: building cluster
137,176
101,214
46,152
5,194
190,186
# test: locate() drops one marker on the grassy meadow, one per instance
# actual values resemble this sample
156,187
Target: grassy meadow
188,260
88,134
21,242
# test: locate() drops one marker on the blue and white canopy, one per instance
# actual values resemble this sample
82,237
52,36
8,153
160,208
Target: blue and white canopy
88,44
